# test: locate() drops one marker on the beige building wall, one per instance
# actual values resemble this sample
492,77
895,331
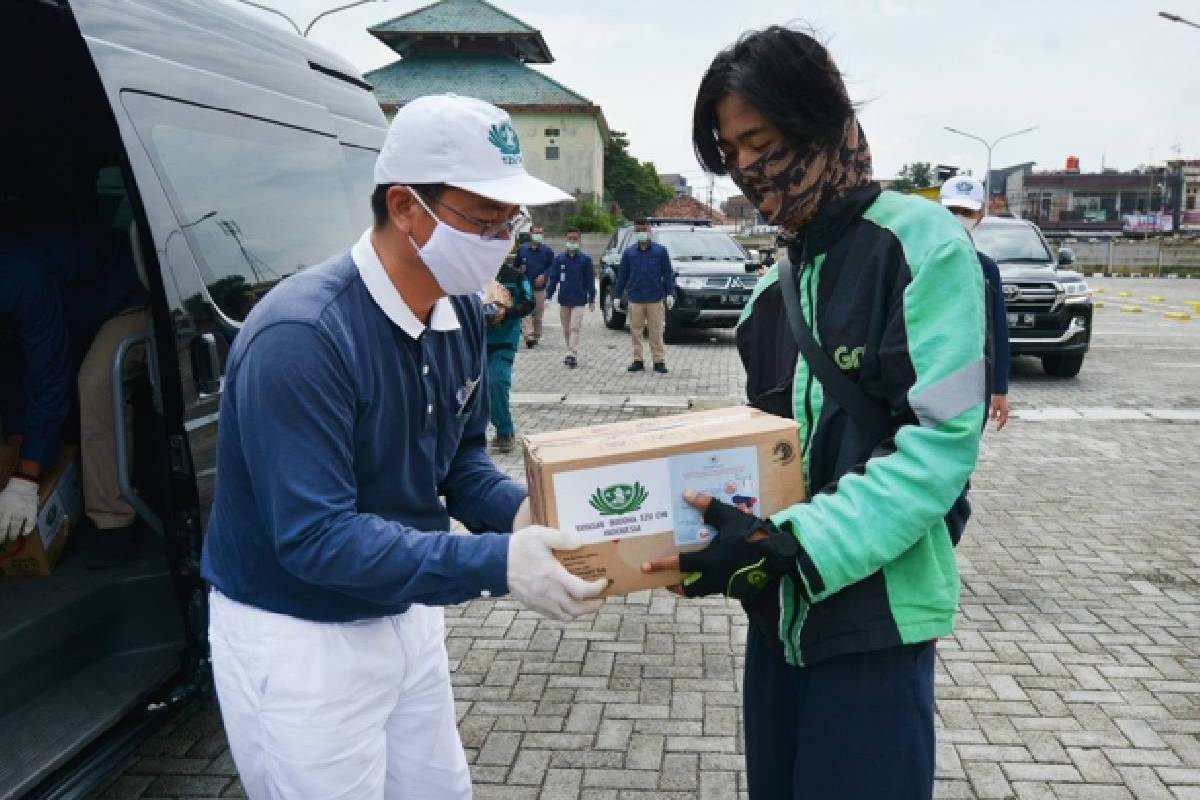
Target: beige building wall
579,168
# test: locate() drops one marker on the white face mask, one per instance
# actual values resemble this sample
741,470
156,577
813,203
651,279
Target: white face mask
968,223
461,263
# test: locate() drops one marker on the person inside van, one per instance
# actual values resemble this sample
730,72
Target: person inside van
355,400
69,294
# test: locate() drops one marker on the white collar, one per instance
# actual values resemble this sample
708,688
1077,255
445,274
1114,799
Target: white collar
443,316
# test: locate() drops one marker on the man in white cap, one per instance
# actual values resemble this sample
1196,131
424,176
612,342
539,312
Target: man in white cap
353,404
963,196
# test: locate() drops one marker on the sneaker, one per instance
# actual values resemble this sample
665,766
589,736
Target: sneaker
660,368
636,366
116,546
530,343
571,362
503,444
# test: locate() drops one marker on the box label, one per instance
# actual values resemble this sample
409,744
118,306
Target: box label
646,497
616,501
728,475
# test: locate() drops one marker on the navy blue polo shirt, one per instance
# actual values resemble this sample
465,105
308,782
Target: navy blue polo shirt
344,419
645,273
534,261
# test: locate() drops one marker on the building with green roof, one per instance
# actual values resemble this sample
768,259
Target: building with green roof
471,47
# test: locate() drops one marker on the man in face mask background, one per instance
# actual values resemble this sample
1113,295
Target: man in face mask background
963,196
535,258
574,278
646,286
355,400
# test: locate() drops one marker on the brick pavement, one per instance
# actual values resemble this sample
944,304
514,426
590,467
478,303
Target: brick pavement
1074,671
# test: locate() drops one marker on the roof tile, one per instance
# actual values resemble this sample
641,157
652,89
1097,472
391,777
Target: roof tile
500,80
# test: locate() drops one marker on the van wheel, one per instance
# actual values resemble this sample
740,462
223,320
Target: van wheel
1062,366
613,319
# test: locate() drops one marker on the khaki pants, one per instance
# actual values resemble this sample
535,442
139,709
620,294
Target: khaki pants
97,430
572,324
654,317
532,324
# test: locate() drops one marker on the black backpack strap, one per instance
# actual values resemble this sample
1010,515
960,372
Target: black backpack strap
870,419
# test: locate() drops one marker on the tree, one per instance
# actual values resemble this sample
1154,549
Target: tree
633,184
590,218
917,175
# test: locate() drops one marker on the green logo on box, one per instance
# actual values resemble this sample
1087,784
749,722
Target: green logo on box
620,498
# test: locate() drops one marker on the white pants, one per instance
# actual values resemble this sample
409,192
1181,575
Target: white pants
337,711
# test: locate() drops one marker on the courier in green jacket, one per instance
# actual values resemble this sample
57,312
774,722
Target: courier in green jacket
848,591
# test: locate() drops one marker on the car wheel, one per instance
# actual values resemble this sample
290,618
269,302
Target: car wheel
1066,366
613,319
672,331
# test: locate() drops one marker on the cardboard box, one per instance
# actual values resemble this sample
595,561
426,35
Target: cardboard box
59,504
620,486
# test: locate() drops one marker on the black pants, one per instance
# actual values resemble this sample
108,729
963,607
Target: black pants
857,727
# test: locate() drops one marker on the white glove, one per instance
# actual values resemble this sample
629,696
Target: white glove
541,583
670,301
18,509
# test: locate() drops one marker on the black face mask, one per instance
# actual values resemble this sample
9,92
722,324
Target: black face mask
802,183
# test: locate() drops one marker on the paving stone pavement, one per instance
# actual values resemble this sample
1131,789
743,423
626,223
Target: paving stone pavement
1074,671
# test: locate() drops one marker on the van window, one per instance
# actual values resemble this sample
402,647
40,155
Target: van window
360,176
257,201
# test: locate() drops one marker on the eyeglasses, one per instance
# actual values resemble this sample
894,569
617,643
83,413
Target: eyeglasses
504,229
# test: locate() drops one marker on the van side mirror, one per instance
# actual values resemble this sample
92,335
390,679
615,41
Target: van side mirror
206,364
1065,256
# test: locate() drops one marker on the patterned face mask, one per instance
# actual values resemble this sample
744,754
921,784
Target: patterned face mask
801,183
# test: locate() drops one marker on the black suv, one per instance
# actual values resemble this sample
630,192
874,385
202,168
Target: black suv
713,275
1049,308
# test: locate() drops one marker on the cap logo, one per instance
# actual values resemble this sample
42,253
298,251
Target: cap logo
504,138
964,186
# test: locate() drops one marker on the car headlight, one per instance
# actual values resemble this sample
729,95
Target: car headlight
686,282
1075,292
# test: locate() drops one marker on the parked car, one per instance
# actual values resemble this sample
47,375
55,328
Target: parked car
714,275
1049,308
230,156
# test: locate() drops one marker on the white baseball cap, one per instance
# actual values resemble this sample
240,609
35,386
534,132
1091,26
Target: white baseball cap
962,191
462,142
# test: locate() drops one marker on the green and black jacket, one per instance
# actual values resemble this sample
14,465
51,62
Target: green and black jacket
893,292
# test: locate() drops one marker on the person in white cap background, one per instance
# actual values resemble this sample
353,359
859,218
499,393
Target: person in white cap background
963,196
353,404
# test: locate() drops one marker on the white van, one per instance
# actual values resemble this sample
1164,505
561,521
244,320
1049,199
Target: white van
231,155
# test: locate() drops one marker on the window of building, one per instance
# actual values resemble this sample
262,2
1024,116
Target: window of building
552,133
552,153
1189,201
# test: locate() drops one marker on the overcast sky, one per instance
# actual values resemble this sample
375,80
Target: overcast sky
1104,80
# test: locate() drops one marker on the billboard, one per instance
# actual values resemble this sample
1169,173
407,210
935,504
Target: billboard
1146,223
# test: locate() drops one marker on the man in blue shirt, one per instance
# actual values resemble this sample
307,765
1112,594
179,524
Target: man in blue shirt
69,294
355,401
535,259
962,195
573,277
646,287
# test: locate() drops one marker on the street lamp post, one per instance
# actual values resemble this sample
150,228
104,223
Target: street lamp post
987,177
345,7
1176,18
314,20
